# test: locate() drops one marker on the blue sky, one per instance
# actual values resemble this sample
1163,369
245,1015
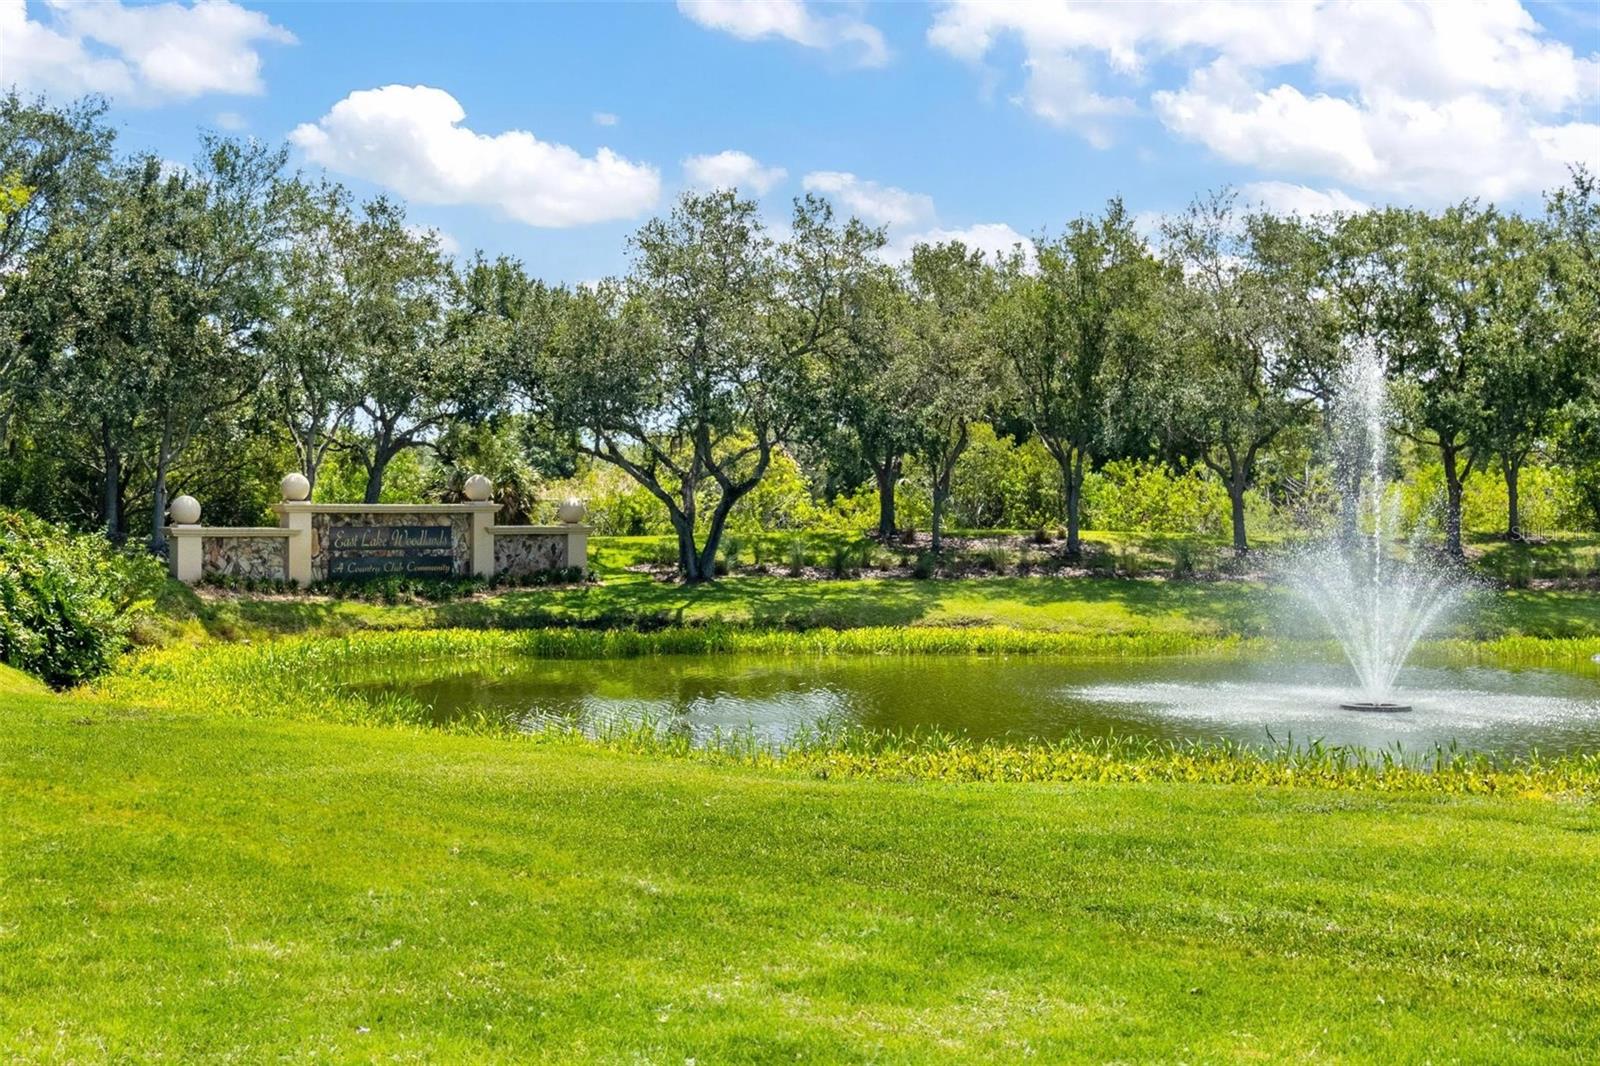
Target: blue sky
551,131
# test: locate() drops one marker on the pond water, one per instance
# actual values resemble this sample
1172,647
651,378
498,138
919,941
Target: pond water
1018,698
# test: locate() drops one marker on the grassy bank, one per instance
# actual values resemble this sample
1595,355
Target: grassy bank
178,883
1058,604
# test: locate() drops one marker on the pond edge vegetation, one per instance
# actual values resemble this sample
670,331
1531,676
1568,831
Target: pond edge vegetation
298,678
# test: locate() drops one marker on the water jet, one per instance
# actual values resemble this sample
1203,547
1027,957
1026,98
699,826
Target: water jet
1377,595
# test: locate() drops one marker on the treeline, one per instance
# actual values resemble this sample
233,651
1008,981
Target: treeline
204,326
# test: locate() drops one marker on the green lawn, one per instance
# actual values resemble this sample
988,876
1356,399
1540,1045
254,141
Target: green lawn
1068,604
181,885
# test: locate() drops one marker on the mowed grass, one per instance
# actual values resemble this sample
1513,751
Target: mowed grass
1096,605
184,885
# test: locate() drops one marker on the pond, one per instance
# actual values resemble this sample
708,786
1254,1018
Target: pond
1016,698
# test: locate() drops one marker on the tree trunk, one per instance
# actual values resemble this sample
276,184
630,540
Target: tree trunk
158,520
1452,500
310,464
888,474
688,558
719,521
1236,488
1513,470
375,472
941,487
1073,478
112,495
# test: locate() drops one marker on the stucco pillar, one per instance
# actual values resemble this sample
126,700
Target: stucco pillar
483,542
299,548
184,553
578,546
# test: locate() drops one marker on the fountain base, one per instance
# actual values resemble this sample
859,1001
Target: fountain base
1379,708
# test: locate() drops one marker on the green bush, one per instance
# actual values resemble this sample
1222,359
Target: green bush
67,600
1140,497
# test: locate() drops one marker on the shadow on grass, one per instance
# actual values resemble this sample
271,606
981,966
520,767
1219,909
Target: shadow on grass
1038,602
1080,604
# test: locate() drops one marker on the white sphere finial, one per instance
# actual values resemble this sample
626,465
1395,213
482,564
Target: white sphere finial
477,488
295,487
571,511
185,511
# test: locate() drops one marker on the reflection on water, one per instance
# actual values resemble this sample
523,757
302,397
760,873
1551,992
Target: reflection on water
1023,698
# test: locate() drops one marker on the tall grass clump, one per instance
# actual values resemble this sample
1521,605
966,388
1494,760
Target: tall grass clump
1127,760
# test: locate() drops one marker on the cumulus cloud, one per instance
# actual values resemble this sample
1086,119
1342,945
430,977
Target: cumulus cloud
754,20
410,139
732,170
1427,99
140,55
1287,198
991,238
443,241
878,205
605,118
910,218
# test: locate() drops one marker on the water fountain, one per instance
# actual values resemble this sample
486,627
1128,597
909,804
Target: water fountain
1377,604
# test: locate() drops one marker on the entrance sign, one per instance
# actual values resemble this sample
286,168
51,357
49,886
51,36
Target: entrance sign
316,542
381,551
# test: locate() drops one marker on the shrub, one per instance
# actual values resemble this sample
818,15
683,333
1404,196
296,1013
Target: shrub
994,558
797,556
1144,497
1183,563
839,558
732,548
67,601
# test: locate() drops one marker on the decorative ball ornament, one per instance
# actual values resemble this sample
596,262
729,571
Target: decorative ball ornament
571,511
185,511
477,488
295,487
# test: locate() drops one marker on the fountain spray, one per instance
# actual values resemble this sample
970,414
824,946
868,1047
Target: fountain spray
1376,604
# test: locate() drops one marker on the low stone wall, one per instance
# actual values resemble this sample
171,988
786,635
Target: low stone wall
260,558
259,553
314,542
521,554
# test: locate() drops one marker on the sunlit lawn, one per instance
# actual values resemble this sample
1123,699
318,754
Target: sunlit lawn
178,885
1083,604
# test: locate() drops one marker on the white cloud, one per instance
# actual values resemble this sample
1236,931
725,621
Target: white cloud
1287,198
446,244
753,20
1061,91
409,138
1430,98
138,54
1148,225
732,170
1465,145
231,120
991,238
879,205
909,217
605,118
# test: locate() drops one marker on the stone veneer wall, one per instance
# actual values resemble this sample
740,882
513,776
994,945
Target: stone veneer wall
460,524
521,554
245,557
